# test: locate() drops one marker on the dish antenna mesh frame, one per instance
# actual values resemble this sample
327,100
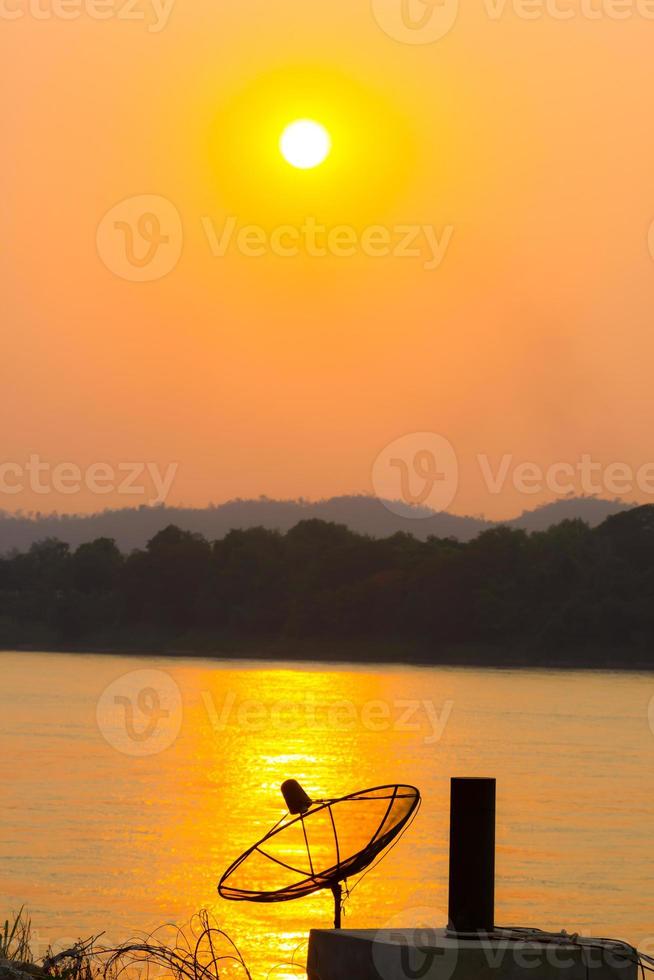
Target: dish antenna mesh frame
345,867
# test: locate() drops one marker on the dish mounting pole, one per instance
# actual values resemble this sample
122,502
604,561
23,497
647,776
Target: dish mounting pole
337,892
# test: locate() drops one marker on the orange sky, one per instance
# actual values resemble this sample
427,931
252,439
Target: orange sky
524,145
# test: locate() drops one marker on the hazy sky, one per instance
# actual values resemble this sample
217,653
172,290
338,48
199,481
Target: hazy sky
514,155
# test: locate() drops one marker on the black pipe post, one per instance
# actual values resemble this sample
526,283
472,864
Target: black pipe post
472,855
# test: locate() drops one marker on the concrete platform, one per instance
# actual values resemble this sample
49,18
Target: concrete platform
428,954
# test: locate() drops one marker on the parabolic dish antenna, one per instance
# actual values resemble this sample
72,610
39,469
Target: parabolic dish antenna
319,844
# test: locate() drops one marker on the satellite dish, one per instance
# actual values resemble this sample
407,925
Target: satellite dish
319,844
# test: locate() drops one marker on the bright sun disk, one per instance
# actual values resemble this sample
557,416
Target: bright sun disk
304,144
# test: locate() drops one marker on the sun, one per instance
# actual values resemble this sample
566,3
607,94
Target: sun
305,144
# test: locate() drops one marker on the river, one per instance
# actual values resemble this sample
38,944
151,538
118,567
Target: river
130,783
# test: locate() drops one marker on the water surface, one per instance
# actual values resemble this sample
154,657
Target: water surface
118,819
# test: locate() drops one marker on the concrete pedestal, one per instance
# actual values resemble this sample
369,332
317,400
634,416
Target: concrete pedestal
428,954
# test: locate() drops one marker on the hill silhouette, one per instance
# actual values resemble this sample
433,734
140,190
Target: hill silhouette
563,596
132,527
591,510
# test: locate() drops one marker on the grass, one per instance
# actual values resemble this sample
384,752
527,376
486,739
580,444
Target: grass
15,938
197,951
200,950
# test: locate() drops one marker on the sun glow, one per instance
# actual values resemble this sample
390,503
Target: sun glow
305,141
305,144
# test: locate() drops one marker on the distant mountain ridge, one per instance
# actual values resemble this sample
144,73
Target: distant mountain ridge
133,527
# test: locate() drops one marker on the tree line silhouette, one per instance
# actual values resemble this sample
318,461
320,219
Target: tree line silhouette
570,588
